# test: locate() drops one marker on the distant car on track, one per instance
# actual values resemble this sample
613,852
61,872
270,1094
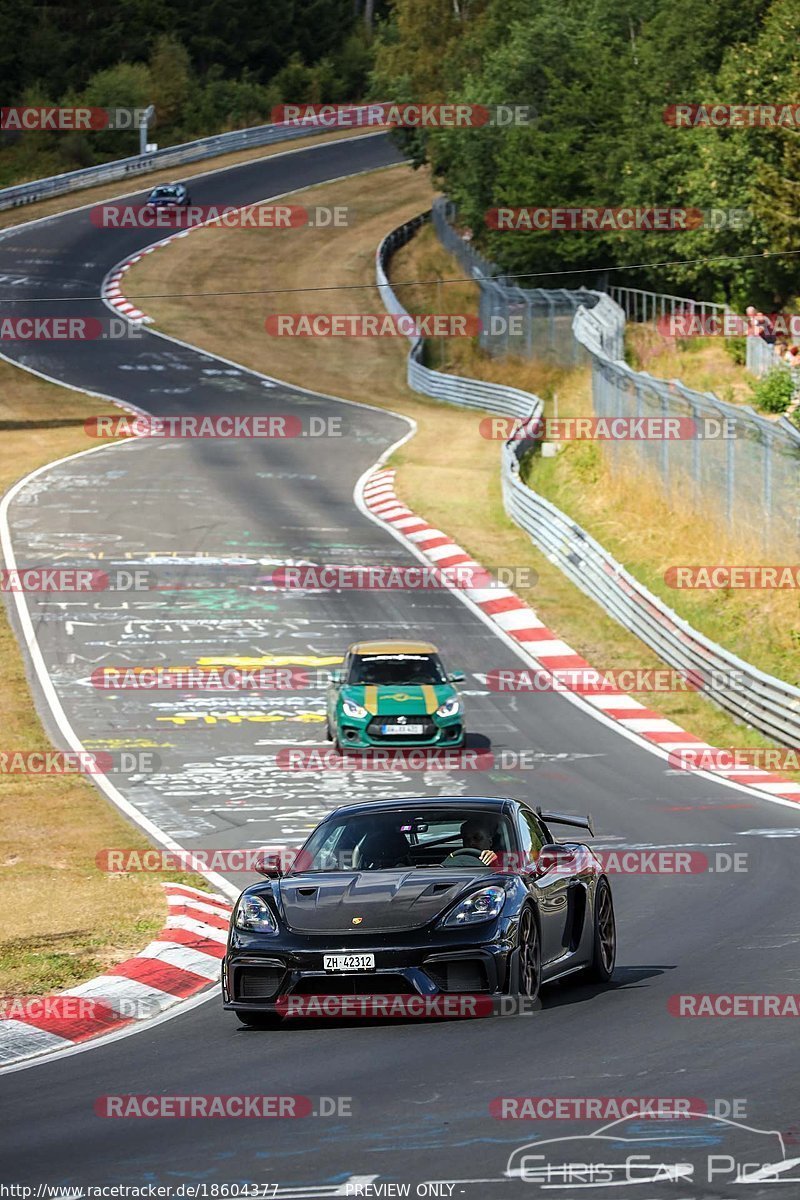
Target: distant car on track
169,195
421,897
394,694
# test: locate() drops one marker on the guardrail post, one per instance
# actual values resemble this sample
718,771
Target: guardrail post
665,441
768,443
730,474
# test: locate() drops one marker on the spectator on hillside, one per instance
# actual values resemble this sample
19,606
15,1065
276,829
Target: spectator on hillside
759,325
792,356
752,325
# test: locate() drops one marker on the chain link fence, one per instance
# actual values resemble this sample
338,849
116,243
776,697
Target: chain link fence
760,700
469,393
741,468
530,322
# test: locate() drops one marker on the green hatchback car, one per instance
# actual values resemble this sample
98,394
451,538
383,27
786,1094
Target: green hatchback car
394,694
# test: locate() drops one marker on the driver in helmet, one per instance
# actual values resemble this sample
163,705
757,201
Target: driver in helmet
476,850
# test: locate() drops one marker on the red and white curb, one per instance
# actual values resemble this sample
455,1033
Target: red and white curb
183,960
519,622
111,290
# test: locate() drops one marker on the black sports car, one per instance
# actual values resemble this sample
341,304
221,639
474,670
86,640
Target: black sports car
420,898
168,195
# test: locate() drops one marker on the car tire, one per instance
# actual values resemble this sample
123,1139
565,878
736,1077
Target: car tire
604,940
527,968
328,731
259,1020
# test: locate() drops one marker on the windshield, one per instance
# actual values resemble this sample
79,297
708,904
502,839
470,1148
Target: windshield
396,668
164,191
375,841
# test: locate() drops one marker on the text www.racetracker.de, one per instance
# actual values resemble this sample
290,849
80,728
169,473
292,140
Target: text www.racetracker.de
181,1191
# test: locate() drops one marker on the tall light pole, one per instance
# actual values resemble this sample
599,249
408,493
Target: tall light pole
144,122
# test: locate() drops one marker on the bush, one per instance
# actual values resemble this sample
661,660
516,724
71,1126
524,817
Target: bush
737,349
774,392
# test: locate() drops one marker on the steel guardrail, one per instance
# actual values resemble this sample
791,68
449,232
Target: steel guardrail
469,393
762,701
169,156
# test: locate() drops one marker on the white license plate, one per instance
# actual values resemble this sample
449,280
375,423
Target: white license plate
349,962
414,730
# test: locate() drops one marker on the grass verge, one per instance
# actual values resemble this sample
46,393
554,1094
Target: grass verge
63,919
458,491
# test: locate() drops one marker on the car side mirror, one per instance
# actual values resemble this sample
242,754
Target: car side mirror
456,676
269,865
554,860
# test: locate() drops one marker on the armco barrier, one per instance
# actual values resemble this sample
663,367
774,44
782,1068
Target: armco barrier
470,393
760,700
534,322
748,473
170,156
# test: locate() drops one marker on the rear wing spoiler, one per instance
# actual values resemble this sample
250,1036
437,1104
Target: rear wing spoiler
567,819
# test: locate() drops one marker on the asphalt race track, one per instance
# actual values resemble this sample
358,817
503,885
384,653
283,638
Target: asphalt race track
218,515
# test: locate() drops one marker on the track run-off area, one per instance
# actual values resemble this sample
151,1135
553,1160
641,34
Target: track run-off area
407,1102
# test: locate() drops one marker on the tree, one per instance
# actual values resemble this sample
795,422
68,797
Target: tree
170,80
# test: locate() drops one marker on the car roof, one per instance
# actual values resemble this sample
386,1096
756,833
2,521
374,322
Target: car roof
393,648
455,802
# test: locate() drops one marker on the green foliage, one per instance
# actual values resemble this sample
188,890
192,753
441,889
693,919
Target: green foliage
774,392
736,347
207,67
600,77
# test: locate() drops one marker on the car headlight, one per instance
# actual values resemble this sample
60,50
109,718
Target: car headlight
254,914
351,709
479,906
449,708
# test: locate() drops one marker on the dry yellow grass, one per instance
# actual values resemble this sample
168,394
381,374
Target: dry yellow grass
700,363
63,919
458,491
